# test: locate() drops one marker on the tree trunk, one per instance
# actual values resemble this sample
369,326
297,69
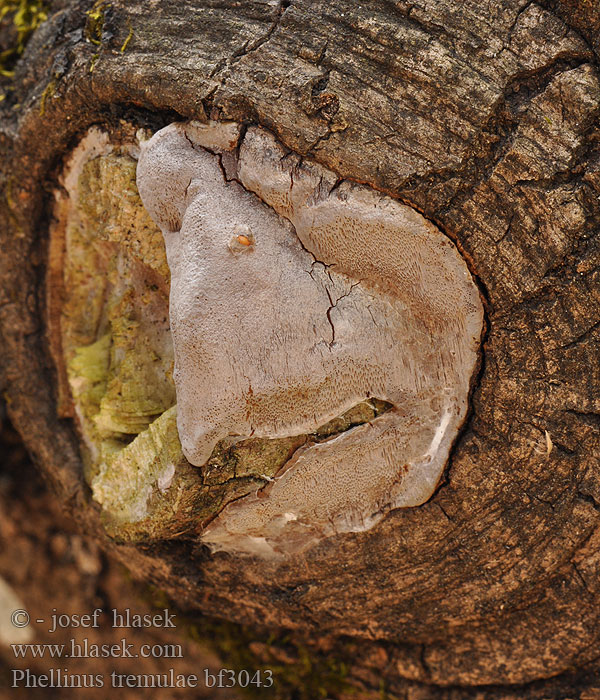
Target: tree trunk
484,118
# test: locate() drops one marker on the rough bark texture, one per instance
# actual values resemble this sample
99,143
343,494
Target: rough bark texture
484,117
53,566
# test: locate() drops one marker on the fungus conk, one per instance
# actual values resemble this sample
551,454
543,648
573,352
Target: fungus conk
294,297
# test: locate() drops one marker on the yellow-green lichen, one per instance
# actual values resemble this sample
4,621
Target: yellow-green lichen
25,17
148,490
127,40
95,22
111,210
115,339
49,91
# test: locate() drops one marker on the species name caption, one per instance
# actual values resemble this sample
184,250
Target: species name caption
83,648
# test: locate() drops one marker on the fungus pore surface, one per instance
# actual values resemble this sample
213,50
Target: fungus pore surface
295,297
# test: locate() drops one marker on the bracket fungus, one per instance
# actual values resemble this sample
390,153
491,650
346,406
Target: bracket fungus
294,297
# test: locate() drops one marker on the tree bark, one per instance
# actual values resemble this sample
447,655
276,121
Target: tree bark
485,119
54,568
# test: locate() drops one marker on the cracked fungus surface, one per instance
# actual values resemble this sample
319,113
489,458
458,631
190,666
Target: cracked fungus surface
108,320
295,297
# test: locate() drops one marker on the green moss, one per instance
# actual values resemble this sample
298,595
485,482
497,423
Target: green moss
26,16
298,671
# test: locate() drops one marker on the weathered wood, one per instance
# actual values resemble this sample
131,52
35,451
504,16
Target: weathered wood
485,119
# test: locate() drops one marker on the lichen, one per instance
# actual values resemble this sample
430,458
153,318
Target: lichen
95,22
114,332
26,16
127,40
113,325
49,91
140,386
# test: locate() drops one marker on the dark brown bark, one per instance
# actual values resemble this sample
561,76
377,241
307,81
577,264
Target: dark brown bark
484,118
53,567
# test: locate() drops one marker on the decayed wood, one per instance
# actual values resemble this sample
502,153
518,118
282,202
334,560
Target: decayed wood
485,119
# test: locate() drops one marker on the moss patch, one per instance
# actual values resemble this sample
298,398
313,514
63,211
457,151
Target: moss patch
299,671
